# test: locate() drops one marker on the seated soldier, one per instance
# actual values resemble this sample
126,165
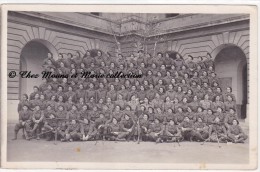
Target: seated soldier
100,125
235,133
230,117
128,126
49,122
25,121
37,118
187,129
72,131
114,131
87,130
155,131
201,130
217,131
172,131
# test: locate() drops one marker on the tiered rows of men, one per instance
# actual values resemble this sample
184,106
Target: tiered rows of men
174,100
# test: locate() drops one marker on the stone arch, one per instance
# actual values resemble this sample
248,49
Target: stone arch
231,67
31,59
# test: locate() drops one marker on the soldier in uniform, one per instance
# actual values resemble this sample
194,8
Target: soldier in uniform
201,130
217,131
35,91
172,131
37,118
155,131
128,125
235,133
187,128
115,131
87,130
230,116
72,132
25,121
23,101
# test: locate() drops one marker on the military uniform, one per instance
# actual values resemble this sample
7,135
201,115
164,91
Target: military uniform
73,132
25,121
236,134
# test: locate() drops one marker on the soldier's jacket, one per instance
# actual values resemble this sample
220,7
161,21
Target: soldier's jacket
225,95
84,114
120,103
80,105
118,115
178,63
205,104
112,94
157,128
51,122
22,103
209,118
72,115
42,104
161,116
228,105
173,129
47,113
235,129
194,105
124,93
70,94
215,105
185,124
179,96
32,95
199,125
93,115
157,103
126,124
100,121
61,114
85,128
68,105
168,105
219,128
48,94
101,93
73,128
221,116
144,123
229,118
169,116
38,115
89,93
25,115
171,94
35,102
190,115
115,127
150,94
51,103
59,104
179,117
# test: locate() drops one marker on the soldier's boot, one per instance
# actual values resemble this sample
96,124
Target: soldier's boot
15,135
23,134
26,135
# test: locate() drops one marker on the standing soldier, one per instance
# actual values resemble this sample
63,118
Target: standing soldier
23,102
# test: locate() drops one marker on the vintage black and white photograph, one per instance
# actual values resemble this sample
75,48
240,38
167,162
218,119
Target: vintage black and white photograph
150,87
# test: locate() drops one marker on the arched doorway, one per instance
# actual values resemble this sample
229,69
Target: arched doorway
231,68
32,57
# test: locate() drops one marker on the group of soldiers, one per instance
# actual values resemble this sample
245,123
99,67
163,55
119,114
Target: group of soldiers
175,100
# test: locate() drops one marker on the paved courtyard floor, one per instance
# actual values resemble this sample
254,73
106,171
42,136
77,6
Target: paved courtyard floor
110,151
